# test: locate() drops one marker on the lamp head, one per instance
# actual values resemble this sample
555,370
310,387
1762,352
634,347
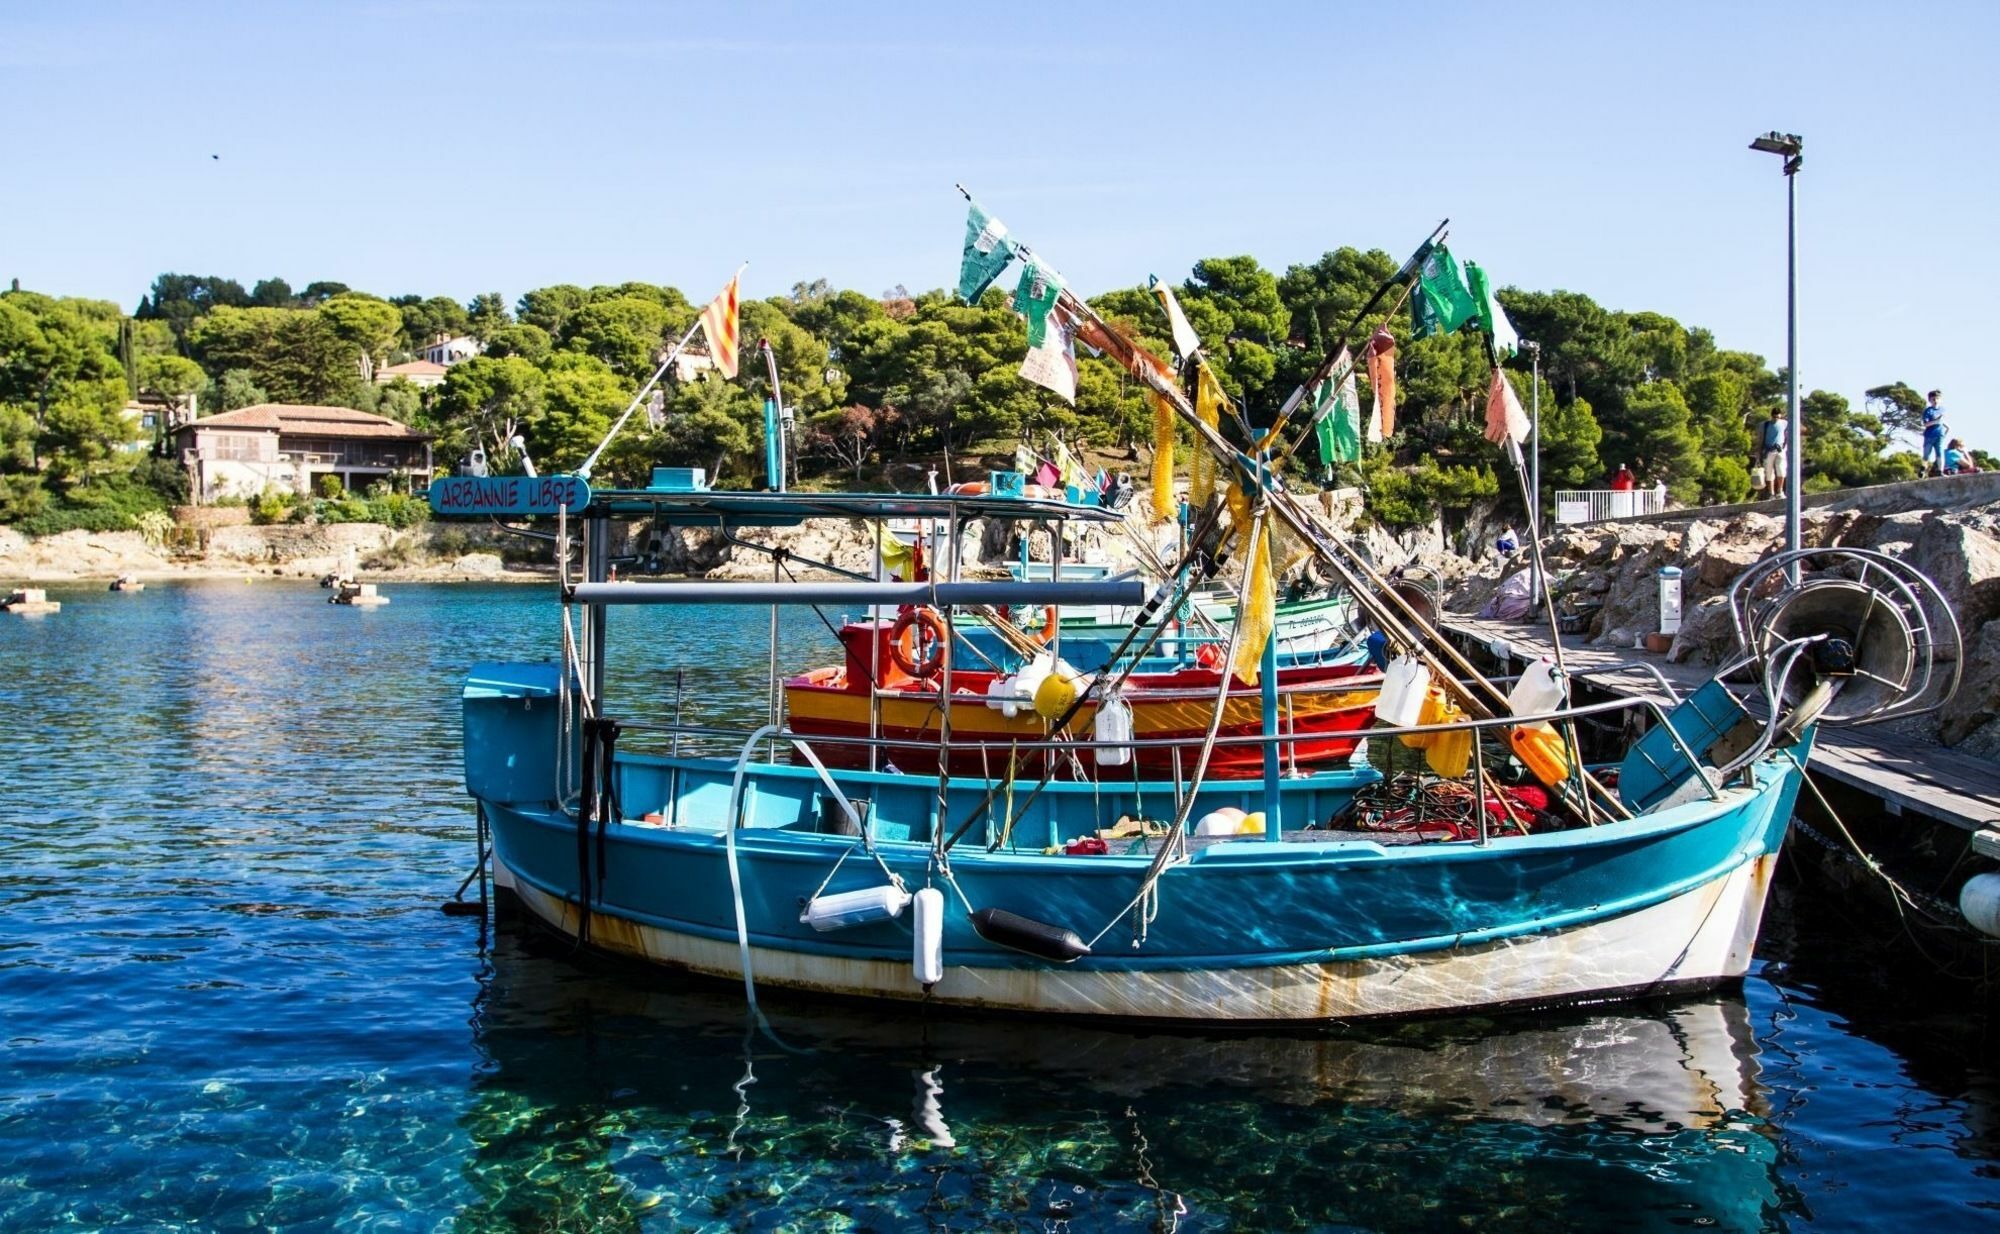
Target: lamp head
1787,145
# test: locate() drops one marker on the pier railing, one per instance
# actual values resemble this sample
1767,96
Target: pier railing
1595,505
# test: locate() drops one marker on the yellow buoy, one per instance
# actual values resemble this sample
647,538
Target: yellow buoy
1055,695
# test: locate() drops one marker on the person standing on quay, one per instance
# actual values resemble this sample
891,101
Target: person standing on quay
1776,432
1935,432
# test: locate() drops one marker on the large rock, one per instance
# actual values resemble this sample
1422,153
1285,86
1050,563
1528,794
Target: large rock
1977,702
1707,634
1965,565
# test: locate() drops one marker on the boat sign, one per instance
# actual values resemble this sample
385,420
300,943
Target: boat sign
509,495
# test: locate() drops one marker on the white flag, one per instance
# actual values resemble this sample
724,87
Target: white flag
1053,364
1186,341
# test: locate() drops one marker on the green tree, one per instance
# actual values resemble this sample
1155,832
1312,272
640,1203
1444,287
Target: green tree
1656,438
1250,325
368,325
1569,439
531,343
486,314
1898,406
297,355
486,401
427,318
1843,448
583,396
237,388
625,332
272,292
549,309
171,377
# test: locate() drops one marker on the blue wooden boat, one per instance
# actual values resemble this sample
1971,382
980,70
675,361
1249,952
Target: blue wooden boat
1055,897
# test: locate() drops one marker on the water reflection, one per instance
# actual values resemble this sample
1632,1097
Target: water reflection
613,1099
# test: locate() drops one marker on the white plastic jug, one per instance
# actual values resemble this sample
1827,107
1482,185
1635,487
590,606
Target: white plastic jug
1404,686
1540,689
1113,723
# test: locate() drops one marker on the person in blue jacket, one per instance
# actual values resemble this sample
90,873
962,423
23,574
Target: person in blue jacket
1935,433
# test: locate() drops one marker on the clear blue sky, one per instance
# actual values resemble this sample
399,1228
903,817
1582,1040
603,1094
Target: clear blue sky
454,148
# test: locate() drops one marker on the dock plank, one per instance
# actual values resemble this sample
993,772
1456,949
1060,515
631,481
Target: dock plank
1907,775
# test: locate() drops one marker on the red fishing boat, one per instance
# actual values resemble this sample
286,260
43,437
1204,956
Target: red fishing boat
1323,707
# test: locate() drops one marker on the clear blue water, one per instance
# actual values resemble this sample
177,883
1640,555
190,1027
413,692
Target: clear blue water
230,1003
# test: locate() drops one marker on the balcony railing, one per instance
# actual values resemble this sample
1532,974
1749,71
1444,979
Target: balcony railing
1597,504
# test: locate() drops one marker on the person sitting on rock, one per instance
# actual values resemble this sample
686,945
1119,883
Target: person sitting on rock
1958,459
1506,545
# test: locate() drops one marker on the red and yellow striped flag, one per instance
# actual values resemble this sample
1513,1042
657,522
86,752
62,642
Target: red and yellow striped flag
718,324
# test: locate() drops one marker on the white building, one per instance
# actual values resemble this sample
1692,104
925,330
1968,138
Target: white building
449,351
290,446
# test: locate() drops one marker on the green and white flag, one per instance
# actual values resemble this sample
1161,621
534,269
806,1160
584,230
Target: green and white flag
1051,362
1447,303
1336,403
988,249
1037,293
1492,318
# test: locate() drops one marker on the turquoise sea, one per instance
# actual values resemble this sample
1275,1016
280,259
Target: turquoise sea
229,1001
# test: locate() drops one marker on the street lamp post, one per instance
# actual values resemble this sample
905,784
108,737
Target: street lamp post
1789,146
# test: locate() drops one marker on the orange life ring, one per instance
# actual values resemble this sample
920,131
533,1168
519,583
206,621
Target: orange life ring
971,488
1047,634
912,627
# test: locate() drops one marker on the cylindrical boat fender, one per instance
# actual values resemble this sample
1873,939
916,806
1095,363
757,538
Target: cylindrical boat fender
853,908
1979,900
927,936
1028,936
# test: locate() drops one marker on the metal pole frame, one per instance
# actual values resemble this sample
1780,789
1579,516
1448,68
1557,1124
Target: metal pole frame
1794,458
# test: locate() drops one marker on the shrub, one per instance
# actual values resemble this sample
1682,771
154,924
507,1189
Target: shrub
330,487
274,505
55,522
21,497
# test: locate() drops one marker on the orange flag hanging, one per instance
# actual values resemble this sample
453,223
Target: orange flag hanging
1382,376
718,324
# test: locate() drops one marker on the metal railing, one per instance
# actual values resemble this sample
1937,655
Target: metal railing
1597,504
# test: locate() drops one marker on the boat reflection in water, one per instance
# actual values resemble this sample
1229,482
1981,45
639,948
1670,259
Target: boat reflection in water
610,1100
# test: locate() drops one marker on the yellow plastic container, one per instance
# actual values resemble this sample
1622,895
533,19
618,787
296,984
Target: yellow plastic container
1540,749
1450,754
1434,711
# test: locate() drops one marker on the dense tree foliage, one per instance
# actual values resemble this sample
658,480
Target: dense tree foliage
891,384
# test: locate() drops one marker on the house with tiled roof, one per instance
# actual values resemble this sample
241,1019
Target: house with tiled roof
422,374
290,446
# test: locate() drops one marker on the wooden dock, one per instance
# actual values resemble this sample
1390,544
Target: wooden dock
1908,776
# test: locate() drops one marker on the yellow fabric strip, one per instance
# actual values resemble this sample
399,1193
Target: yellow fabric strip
1259,611
1208,403
1163,457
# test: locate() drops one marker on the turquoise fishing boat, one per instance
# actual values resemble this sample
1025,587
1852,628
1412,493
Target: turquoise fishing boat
1288,899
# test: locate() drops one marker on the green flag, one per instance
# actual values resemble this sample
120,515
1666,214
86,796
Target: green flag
1439,283
1038,292
1492,318
988,249
1336,405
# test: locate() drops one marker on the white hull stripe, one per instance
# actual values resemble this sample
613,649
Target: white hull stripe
1702,936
